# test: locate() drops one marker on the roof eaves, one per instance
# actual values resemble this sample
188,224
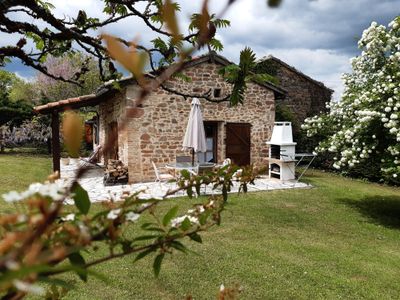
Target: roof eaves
76,102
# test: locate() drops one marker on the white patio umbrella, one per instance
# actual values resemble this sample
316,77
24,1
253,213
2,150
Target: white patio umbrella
195,137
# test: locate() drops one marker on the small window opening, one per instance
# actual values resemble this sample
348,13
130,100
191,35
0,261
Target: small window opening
217,92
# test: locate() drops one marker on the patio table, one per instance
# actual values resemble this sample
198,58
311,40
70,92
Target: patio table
179,166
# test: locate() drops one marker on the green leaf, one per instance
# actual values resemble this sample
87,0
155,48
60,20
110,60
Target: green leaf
147,224
196,237
144,254
216,45
81,199
156,19
221,23
169,215
146,237
24,271
179,246
203,217
186,224
157,263
155,229
78,261
160,44
185,174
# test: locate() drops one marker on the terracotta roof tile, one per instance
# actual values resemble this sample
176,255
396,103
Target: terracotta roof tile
64,103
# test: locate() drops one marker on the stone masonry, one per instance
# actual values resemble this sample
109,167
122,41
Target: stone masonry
306,97
155,131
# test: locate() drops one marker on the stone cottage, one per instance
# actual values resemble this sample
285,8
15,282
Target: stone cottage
305,96
154,130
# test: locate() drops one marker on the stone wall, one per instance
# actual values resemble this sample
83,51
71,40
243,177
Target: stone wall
305,97
113,110
156,130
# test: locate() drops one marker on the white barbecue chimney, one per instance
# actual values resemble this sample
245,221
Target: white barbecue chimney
282,152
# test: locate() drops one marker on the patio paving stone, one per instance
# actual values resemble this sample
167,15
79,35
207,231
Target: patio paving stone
92,182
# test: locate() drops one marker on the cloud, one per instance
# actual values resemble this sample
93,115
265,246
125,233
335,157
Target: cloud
317,37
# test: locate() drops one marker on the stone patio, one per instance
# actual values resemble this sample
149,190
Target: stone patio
92,182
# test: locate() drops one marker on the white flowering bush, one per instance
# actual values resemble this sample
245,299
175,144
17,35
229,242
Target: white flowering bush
364,127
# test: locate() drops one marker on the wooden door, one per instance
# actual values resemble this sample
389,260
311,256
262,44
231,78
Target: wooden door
112,137
238,143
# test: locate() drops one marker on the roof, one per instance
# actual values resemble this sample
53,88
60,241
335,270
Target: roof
209,57
107,88
271,57
74,103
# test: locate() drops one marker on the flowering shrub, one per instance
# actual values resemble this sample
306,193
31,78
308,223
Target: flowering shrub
30,132
364,125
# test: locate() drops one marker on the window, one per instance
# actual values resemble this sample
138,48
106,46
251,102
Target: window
217,92
211,130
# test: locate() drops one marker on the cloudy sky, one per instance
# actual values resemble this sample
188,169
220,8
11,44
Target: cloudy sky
317,37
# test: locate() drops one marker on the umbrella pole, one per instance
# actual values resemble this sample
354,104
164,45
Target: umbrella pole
192,157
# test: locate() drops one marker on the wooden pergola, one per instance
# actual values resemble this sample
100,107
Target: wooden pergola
55,108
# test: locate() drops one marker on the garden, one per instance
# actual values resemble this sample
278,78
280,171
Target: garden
333,235
337,240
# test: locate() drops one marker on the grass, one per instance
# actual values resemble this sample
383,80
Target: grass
338,240
18,170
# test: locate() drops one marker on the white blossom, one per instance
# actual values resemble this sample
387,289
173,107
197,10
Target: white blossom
132,217
178,221
113,214
56,191
69,217
27,287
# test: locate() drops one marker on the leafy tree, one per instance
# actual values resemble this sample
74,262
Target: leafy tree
7,80
363,129
12,111
238,75
67,67
22,90
63,35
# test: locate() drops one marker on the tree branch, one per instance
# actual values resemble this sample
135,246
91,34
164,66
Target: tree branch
206,96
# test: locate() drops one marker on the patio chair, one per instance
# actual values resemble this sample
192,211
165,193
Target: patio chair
204,168
93,157
161,176
183,159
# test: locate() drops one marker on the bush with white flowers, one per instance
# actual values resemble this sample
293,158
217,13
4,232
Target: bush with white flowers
365,124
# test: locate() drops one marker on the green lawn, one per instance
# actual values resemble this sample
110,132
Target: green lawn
18,170
338,240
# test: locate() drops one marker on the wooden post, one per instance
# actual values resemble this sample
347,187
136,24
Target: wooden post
55,140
